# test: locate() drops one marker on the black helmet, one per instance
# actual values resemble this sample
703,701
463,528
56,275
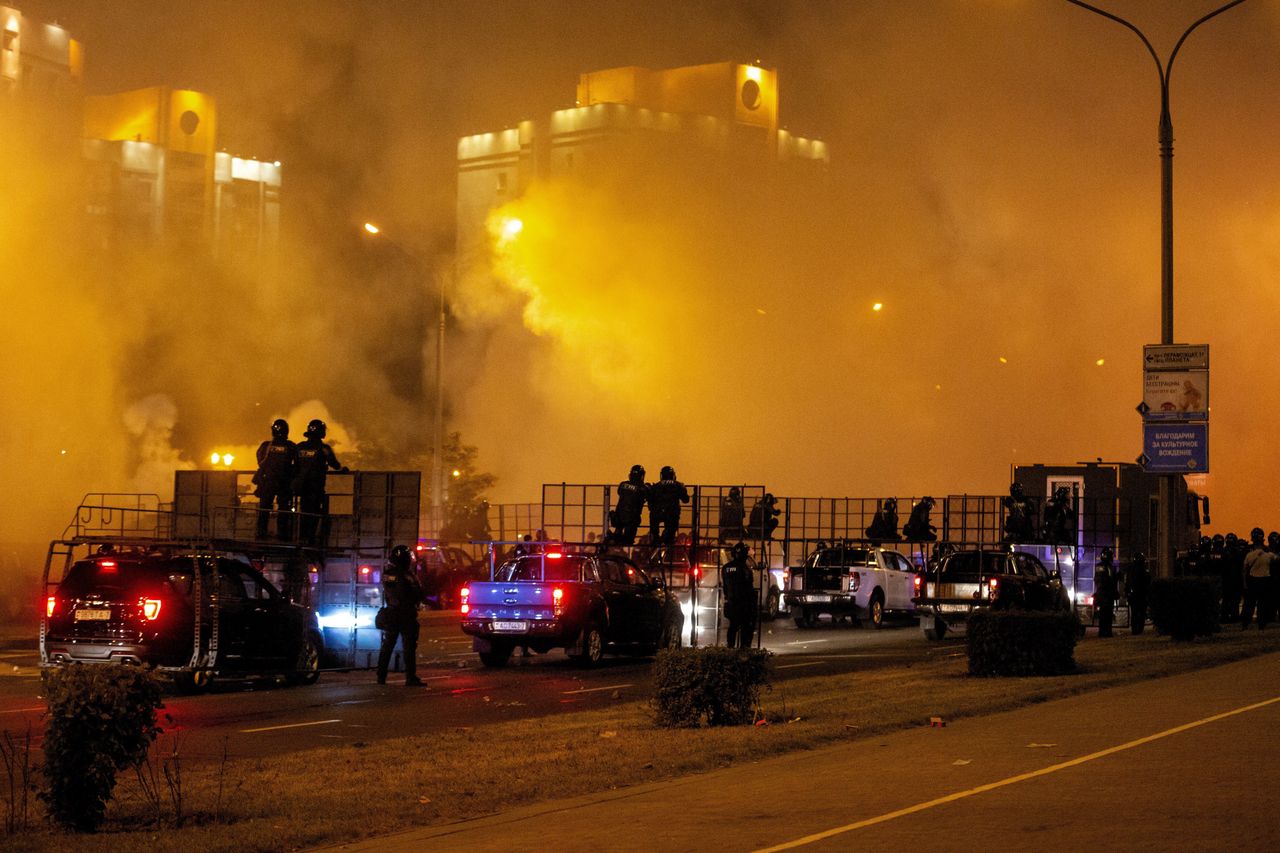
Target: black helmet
1015,490
890,503
928,500
769,498
1106,554
735,492
668,473
637,472
400,556
316,429
740,550
279,428
1257,534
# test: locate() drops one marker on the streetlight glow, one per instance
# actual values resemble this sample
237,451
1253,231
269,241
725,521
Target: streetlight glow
877,306
512,227
371,228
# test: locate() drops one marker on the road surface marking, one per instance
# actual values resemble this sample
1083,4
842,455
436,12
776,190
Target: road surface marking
288,726
794,665
434,677
596,689
805,642
1012,780
22,710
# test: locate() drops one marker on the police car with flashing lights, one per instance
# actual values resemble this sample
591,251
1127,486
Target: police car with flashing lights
141,608
586,604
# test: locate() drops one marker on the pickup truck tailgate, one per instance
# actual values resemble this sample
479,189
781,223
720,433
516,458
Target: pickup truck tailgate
511,600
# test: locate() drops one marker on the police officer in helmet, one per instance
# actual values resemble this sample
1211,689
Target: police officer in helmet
740,602
277,466
398,618
665,497
315,459
1105,590
625,518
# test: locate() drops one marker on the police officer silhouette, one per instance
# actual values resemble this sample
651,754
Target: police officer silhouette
1060,518
277,465
740,602
764,517
625,517
1019,519
401,595
665,497
1137,586
918,528
884,525
732,513
1105,589
315,460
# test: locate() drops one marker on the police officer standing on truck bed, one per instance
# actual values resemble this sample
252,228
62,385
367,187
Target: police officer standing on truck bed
1137,585
740,603
625,517
401,595
1105,587
277,465
732,513
315,458
665,497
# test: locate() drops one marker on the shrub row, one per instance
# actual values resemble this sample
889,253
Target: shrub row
717,685
1185,608
1013,642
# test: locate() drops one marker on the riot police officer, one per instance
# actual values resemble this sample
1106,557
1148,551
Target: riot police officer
764,517
918,528
732,514
1137,585
665,497
1019,520
277,465
625,517
315,459
884,524
740,602
398,618
1105,588
1060,519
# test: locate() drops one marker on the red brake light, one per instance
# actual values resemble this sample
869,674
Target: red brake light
554,555
364,570
993,584
557,594
917,581
50,605
697,571
107,566
421,548
465,594
151,609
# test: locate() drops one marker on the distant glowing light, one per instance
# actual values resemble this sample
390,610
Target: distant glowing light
1100,362
371,228
215,458
760,311
753,73
1004,360
512,227
227,459
937,387
457,473
877,306
62,452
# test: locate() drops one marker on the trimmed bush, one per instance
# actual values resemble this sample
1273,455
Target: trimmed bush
714,684
1014,642
1185,608
101,720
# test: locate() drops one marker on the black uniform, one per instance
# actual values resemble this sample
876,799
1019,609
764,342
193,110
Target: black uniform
884,525
918,528
1020,516
401,595
1060,519
315,459
1137,586
764,517
740,603
625,517
732,514
665,497
1105,589
277,466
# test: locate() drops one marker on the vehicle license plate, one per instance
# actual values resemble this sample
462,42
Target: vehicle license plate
816,598
499,625
93,615
954,608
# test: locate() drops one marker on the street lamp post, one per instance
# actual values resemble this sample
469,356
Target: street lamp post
437,478
1166,544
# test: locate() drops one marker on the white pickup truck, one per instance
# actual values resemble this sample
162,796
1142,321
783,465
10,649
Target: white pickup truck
858,581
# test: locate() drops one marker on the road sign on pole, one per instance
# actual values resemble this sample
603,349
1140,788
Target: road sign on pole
1175,448
1175,409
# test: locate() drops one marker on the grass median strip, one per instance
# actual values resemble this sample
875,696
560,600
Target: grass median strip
352,790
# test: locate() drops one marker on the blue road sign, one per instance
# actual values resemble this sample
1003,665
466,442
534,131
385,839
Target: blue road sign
1175,448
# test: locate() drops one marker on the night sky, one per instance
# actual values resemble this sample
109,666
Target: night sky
993,182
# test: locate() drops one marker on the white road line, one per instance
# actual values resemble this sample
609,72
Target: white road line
805,642
23,710
1012,780
794,665
288,726
597,689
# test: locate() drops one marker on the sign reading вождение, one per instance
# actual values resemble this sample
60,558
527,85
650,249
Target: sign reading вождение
1175,408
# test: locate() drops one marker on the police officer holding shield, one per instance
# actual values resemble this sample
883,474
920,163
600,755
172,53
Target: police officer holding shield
398,618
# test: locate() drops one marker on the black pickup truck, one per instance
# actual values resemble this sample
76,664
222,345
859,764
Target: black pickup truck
965,581
586,604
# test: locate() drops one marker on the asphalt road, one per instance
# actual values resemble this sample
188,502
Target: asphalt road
264,718
1185,763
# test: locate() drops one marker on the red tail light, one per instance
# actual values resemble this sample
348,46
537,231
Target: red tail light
697,572
151,609
993,587
554,555
918,583
50,605
108,566
466,600
364,570
557,600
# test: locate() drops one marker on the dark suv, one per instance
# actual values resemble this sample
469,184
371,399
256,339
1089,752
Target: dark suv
965,581
140,608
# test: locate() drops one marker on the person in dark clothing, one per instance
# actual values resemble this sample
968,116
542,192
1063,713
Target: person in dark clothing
732,514
401,595
315,460
884,525
918,528
1214,561
1105,588
740,602
625,517
1060,519
1020,515
277,466
1257,571
1137,586
665,497
764,517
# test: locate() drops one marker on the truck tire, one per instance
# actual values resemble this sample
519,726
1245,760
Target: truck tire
307,668
192,683
592,646
771,606
670,638
875,610
497,656
934,628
